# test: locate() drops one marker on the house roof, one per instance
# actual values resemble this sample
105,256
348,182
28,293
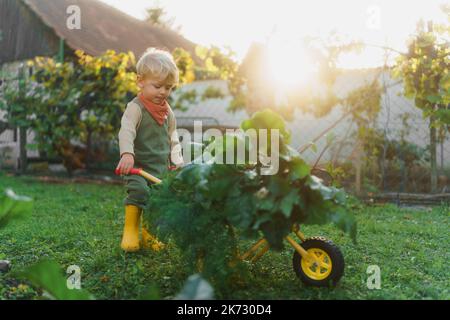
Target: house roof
104,27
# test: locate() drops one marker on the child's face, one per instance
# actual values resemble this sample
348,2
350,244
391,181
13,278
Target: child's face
154,90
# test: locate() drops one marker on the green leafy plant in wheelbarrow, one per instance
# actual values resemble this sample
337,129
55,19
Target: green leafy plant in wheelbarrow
206,208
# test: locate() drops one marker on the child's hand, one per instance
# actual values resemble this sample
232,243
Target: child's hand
126,163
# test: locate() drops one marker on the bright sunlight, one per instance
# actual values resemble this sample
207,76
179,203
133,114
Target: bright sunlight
290,64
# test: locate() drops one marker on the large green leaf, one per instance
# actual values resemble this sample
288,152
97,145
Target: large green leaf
299,169
13,206
196,288
443,115
267,119
346,222
287,202
47,275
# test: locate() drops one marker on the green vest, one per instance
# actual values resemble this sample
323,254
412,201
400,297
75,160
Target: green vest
152,143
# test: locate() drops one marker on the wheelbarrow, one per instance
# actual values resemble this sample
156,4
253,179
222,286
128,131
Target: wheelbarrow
317,261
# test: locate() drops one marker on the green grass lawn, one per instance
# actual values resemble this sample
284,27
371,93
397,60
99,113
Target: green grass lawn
77,224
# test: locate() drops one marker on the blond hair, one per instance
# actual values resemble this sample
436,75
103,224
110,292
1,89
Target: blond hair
158,64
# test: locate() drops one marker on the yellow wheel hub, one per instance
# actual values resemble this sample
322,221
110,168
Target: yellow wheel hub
319,266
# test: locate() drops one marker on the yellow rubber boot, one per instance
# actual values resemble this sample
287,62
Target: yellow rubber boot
130,238
149,241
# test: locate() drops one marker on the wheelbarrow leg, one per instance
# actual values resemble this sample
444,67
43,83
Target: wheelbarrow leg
254,248
260,253
298,233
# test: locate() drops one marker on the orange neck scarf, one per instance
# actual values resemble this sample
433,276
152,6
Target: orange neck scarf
158,112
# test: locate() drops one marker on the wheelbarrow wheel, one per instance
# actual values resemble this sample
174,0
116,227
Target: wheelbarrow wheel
327,270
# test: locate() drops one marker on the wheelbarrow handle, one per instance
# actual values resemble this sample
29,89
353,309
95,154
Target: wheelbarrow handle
142,173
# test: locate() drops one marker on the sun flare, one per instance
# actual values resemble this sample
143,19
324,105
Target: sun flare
290,65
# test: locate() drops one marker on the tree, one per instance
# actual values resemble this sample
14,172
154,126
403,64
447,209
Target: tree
83,102
315,97
72,103
426,78
17,98
157,16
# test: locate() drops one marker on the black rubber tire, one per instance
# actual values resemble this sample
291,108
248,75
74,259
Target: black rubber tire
337,260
